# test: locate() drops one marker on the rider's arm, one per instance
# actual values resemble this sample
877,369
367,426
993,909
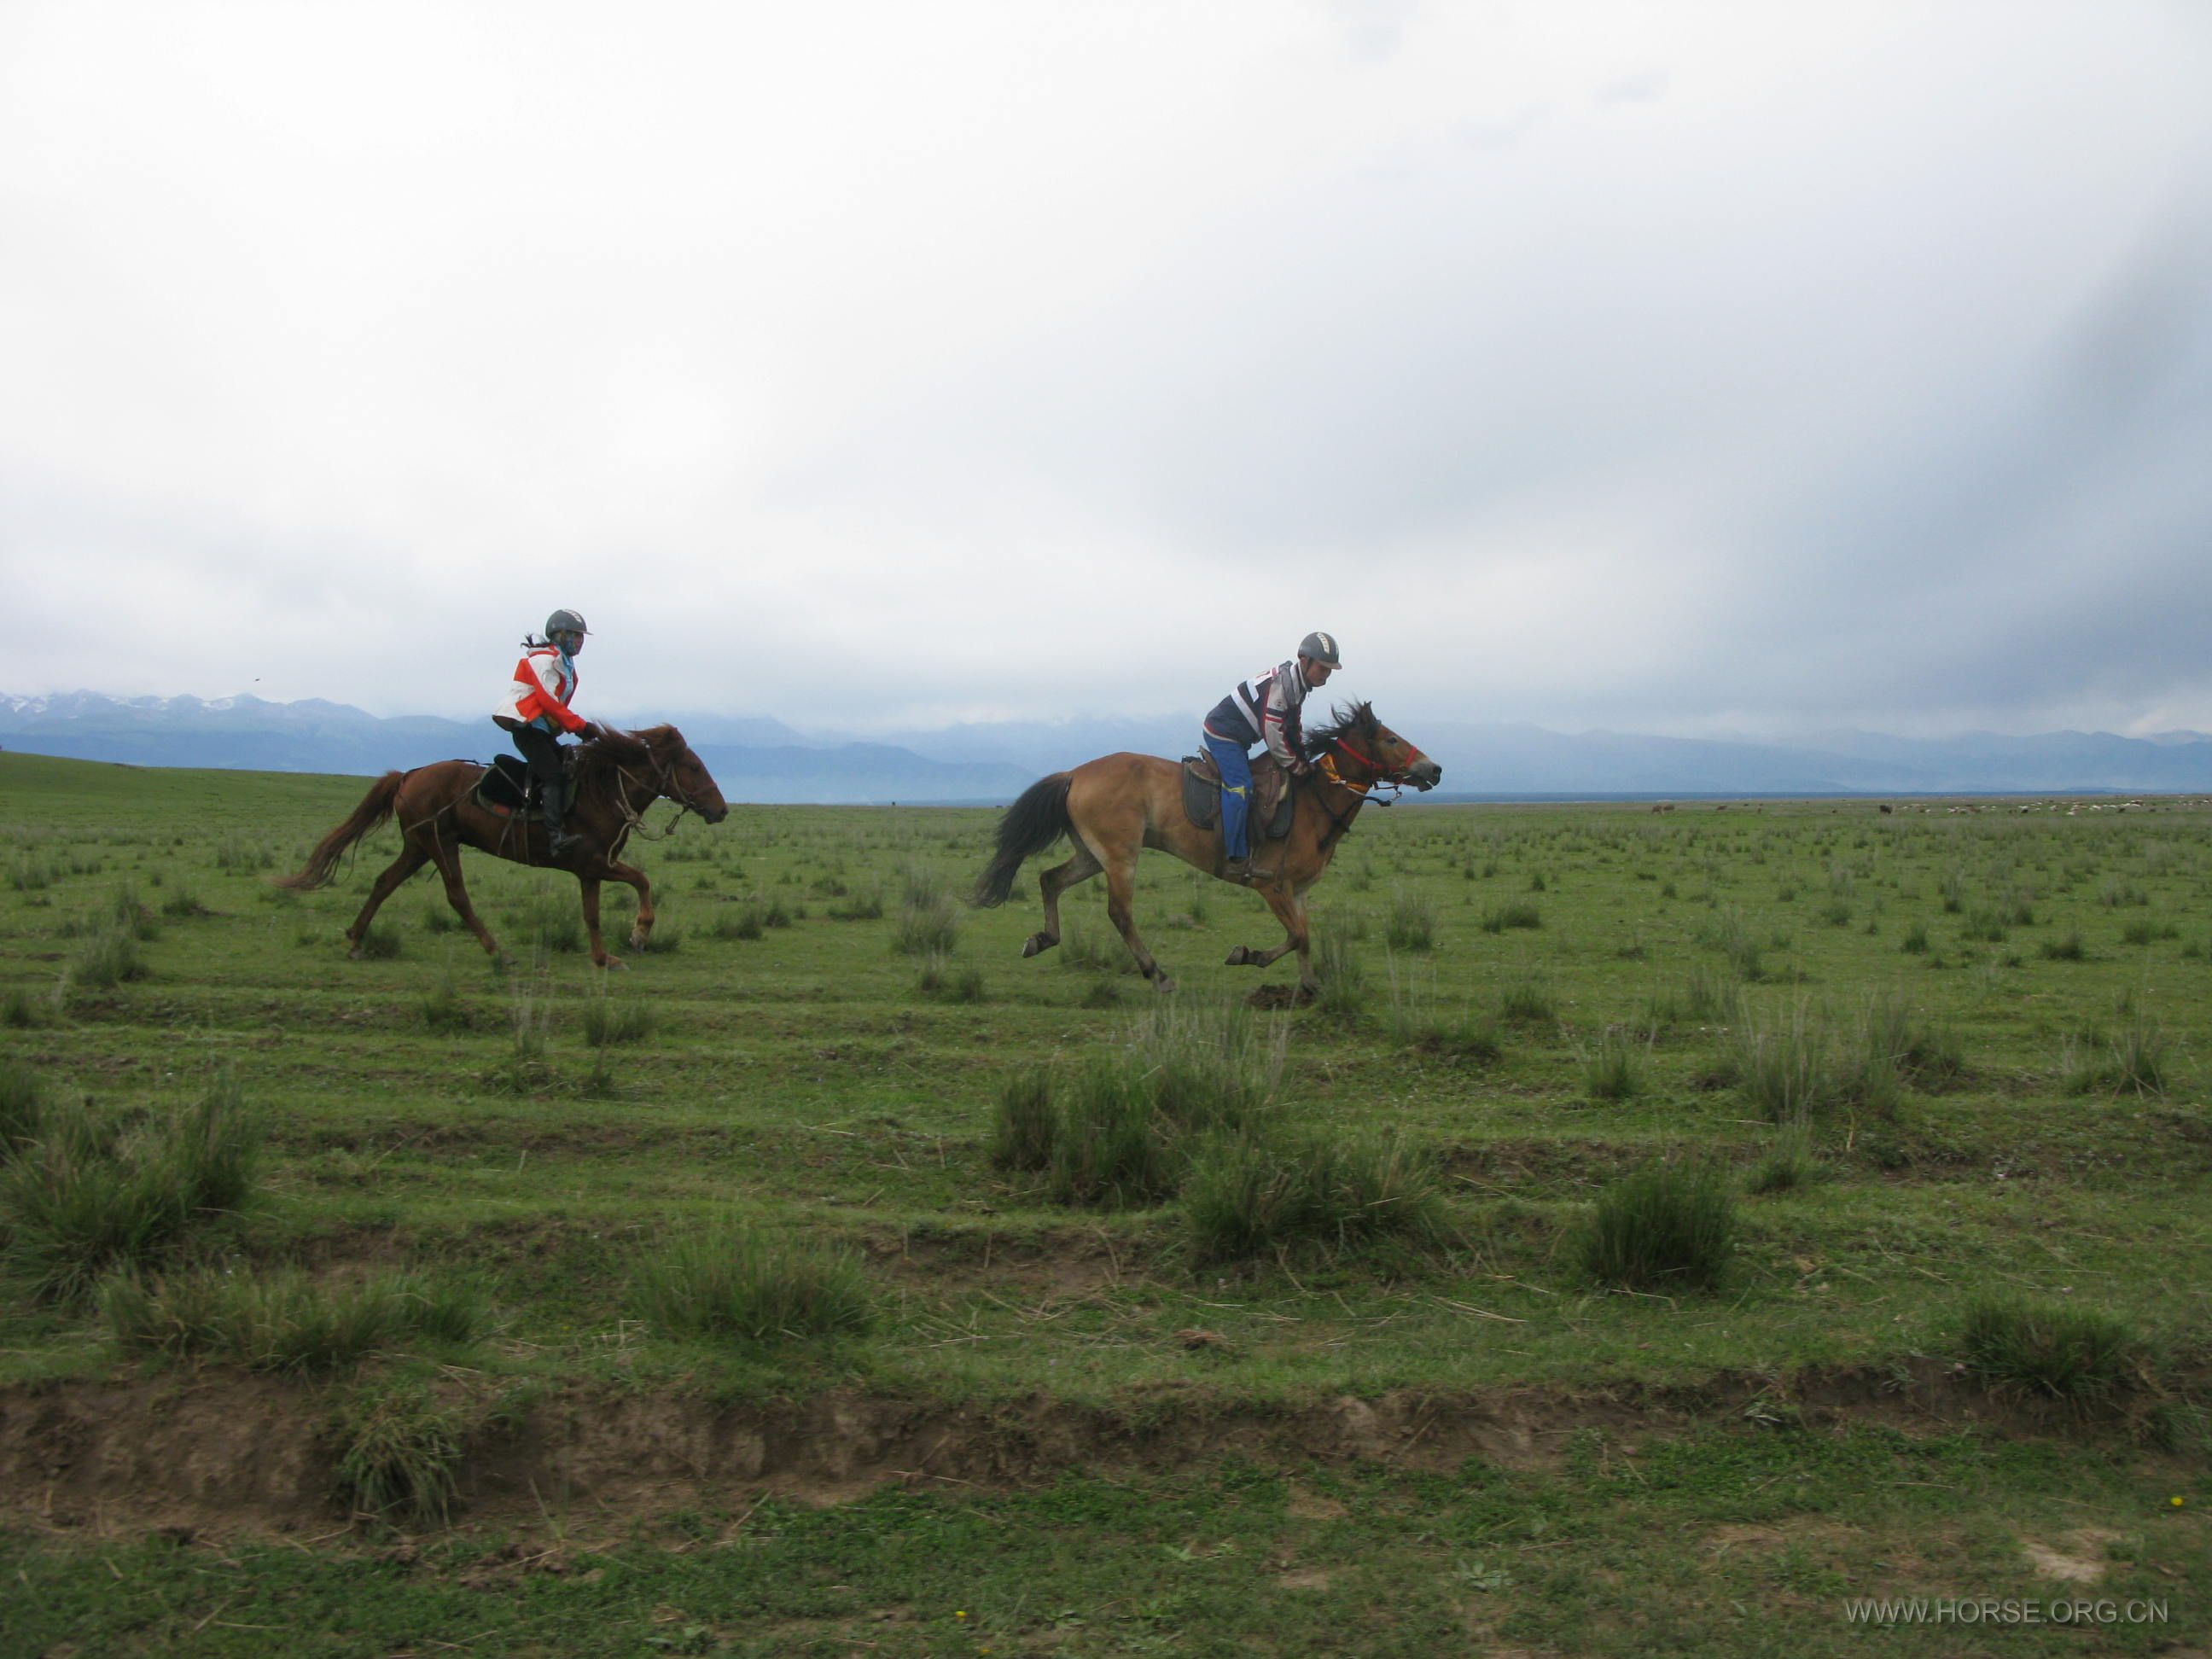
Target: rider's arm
546,698
1277,722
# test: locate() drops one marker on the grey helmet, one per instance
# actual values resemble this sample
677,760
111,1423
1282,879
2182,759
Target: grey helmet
1321,647
568,621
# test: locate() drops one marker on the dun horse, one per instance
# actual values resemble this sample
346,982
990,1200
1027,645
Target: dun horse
1111,807
616,779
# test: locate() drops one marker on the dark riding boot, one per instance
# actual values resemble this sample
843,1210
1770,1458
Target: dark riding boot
553,797
1242,870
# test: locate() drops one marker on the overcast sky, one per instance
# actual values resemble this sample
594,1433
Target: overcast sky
1665,366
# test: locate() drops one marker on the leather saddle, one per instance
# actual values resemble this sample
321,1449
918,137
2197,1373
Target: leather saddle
1273,803
505,787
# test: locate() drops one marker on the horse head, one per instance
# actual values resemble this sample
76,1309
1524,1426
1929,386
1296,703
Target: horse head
684,777
1378,754
678,773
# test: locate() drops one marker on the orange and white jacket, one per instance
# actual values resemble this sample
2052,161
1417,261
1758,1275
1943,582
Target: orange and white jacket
544,680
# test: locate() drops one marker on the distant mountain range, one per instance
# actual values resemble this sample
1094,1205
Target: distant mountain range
761,759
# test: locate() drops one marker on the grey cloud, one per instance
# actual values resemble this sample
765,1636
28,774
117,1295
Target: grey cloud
1503,131
1374,29
1646,87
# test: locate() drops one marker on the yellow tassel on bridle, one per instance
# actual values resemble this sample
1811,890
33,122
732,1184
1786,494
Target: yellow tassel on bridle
1326,767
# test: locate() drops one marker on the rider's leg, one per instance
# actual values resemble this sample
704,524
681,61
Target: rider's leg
1235,804
543,751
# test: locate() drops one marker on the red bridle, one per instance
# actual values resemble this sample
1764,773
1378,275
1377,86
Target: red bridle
1382,773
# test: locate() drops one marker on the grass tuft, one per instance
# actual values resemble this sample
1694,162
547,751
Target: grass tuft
1614,1069
926,930
1788,1164
2074,1354
610,1019
1254,1194
399,1457
109,957
1667,1226
1411,925
285,1320
97,1194
1343,993
22,1105
729,1281
1118,1128
945,981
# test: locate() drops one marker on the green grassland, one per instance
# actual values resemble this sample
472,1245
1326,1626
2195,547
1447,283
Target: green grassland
470,1361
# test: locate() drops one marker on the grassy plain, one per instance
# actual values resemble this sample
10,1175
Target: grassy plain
1056,1426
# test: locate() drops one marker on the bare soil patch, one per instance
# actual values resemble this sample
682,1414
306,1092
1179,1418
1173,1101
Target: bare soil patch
218,1453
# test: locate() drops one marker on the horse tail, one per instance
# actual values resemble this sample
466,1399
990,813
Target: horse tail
375,806
1032,823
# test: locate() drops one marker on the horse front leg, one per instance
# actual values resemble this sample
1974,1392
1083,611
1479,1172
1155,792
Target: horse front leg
642,933
1290,910
591,895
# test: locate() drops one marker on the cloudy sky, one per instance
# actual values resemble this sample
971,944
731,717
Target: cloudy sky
1671,368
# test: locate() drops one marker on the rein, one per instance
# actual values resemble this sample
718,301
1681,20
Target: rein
661,785
1362,790
1340,823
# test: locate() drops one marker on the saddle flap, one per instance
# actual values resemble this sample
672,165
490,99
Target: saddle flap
1270,796
1201,791
505,786
1273,804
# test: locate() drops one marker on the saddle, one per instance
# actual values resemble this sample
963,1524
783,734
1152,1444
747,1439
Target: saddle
1273,803
504,788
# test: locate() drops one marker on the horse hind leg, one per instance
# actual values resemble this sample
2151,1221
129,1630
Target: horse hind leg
411,857
1120,887
457,895
1051,883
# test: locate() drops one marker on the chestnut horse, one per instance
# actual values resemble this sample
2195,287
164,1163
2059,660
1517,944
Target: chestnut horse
1110,807
614,778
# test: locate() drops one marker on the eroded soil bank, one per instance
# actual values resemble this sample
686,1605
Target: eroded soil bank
222,1453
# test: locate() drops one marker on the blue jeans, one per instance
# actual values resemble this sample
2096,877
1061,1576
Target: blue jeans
1236,794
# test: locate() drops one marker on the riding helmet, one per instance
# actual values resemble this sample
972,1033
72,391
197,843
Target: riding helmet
568,621
1321,647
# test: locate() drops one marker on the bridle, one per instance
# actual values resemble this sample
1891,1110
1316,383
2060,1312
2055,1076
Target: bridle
663,784
1380,777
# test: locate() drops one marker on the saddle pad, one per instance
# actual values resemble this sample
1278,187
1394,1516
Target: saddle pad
1202,795
505,786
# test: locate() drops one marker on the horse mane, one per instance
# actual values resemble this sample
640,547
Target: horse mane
597,763
1355,719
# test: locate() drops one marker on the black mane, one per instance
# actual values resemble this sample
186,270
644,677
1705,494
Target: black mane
1356,720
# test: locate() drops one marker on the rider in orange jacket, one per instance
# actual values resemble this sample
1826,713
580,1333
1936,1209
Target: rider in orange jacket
537,708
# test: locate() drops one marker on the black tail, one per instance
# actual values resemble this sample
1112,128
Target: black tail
1030,824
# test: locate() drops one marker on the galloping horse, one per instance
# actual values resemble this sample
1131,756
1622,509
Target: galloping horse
616,779
1110,807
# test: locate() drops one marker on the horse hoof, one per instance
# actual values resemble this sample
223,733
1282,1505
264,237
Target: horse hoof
354,955
1162,983
637,941
613,964
1034,944
1237,953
